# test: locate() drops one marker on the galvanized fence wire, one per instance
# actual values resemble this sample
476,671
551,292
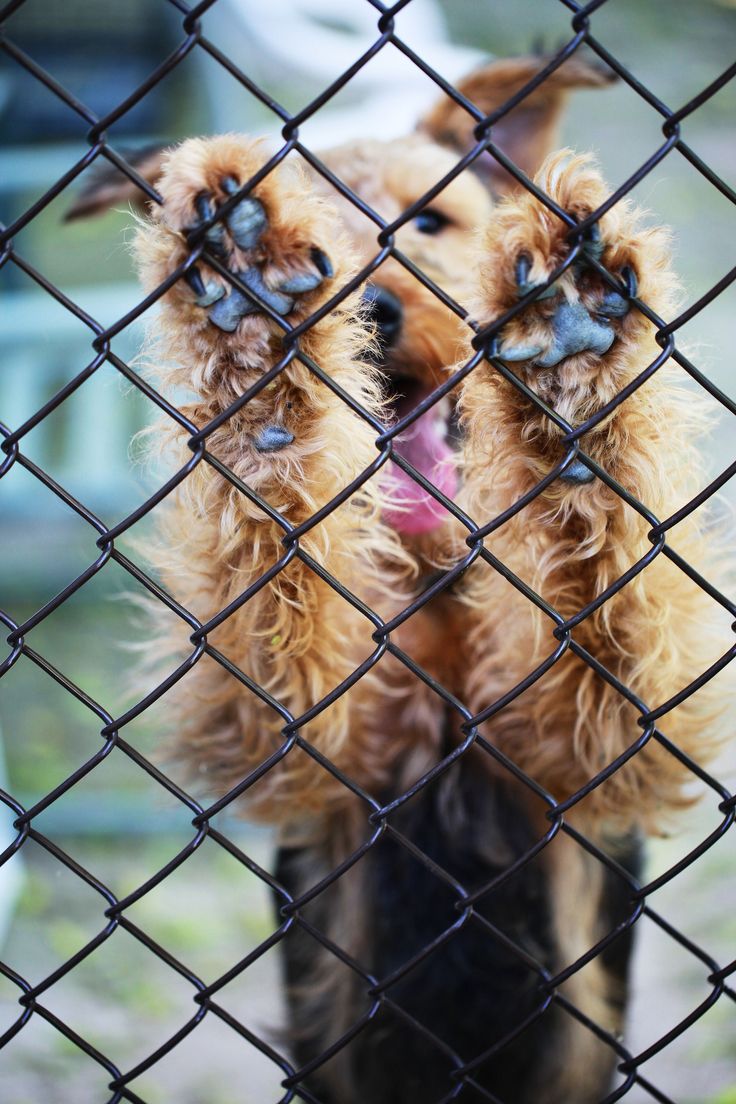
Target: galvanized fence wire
114,911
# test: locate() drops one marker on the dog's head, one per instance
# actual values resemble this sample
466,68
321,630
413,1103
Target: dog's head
420,333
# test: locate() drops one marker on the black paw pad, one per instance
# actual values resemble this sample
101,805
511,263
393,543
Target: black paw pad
574,331
247,222
226,313
273,439
577,473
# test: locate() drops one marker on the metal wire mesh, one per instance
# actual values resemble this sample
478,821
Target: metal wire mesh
114,912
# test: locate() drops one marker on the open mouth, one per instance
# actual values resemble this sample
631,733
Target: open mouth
424,445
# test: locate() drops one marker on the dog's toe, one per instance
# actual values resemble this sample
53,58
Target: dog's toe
247,222
577,314
228,311
206,294
525,284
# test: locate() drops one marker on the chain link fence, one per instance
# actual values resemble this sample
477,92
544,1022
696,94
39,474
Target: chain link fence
114,912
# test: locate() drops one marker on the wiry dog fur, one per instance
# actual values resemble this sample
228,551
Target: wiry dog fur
299,640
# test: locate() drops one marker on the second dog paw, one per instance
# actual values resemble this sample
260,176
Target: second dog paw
578,341
580,317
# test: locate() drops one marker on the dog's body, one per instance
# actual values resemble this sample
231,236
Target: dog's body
488,994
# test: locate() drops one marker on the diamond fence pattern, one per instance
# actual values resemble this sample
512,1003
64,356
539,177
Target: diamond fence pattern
113,912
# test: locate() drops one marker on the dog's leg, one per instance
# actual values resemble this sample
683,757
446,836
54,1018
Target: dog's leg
576,347
295,443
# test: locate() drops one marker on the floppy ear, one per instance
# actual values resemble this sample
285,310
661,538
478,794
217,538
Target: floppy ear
108,186
529,131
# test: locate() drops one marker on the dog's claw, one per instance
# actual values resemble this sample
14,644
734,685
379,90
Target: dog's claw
204,206
523,268
215,236
629,278
524,284
247,222
322,262
194,278
273,438
593,244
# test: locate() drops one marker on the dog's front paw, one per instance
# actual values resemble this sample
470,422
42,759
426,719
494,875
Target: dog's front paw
279,276
576,315
272,240
578,342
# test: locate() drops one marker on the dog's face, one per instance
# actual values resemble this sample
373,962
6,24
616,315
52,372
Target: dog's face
419,336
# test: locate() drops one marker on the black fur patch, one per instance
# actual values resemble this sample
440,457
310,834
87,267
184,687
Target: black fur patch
472,991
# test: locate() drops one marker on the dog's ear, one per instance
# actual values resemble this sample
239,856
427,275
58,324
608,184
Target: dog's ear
109,186
529,131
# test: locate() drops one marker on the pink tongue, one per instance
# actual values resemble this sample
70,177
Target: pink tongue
424,446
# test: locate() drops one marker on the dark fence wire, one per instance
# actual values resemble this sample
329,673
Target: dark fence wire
114,911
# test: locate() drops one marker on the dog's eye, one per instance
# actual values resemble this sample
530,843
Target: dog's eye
430,221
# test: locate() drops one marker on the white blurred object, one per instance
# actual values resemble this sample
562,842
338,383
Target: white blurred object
309,43
10,871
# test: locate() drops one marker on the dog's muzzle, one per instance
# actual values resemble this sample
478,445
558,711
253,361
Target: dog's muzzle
384,308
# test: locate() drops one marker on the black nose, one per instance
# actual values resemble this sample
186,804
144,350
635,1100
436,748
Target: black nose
386,311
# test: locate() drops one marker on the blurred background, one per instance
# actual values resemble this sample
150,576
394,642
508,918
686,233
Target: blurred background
118,823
